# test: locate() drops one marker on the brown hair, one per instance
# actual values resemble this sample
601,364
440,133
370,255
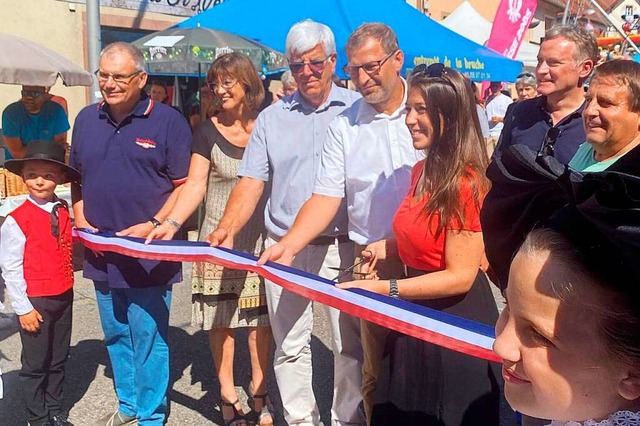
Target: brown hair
457,152
615,304
238,66
373,31
159,83
624,73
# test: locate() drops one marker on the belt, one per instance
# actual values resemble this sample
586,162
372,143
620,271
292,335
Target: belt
326,240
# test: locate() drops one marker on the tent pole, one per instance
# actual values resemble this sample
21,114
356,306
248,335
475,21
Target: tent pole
202,114
565,15
622,33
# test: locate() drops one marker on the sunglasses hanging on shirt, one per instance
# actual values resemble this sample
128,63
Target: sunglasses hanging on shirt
549,142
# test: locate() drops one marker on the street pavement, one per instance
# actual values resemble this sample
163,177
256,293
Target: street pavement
193,393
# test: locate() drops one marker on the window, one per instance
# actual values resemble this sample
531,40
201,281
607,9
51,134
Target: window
113,34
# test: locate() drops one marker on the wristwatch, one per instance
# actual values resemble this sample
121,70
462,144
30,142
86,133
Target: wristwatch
393,288
155,222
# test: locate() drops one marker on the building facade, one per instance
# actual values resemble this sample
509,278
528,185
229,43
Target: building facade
547,14
61,25
625,11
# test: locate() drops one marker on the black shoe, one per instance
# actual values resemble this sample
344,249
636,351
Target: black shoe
59,421
263,417
238,418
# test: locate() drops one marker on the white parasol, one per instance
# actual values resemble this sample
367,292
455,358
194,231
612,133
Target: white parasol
31,64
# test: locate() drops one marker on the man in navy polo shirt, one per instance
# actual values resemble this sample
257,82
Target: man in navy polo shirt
551,124
133,154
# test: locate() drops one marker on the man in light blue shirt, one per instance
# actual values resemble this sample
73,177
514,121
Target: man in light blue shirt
33,117
284,151
366,161
285,148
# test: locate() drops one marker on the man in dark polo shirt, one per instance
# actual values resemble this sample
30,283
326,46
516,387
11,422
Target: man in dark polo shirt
552,123
133,154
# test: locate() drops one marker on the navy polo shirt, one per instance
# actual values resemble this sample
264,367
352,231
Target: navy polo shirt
528,124
128,172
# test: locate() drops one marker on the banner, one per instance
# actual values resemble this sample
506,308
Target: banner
511,21
439,328
170,7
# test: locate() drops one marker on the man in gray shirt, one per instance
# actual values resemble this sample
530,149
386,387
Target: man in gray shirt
284,150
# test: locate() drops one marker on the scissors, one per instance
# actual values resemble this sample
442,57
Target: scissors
345,271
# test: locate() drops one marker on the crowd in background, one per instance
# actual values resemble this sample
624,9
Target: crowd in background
410,188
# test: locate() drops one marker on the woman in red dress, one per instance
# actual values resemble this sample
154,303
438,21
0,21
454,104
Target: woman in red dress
439,239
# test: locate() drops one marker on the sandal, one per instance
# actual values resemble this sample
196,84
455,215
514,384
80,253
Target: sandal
264,417
238,418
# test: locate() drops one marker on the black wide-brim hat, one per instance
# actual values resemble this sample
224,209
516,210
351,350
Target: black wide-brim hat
598,212
44,151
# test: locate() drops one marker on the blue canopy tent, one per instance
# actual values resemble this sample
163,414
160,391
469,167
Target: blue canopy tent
422,39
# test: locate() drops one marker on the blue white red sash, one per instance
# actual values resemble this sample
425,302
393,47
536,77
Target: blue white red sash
427,324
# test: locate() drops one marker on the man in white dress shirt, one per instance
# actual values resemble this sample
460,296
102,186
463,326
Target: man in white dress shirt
367,159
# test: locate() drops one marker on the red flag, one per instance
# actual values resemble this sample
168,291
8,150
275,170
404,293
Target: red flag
512,20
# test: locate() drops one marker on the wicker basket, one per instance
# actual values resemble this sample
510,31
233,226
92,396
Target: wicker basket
13,184
3,185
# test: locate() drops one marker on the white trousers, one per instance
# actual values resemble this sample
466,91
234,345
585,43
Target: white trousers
291,318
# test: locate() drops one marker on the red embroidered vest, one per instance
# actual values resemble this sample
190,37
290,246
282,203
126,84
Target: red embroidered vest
48,265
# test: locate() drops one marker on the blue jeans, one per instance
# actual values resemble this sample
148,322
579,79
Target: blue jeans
135,322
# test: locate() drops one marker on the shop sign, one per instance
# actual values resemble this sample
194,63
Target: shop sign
169,7
472,67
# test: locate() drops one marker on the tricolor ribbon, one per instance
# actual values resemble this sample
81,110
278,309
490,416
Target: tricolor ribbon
439,328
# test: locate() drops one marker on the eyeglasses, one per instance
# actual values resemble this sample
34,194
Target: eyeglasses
120,80
550,138
32,94
370,68
226,84
316,67
434,70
